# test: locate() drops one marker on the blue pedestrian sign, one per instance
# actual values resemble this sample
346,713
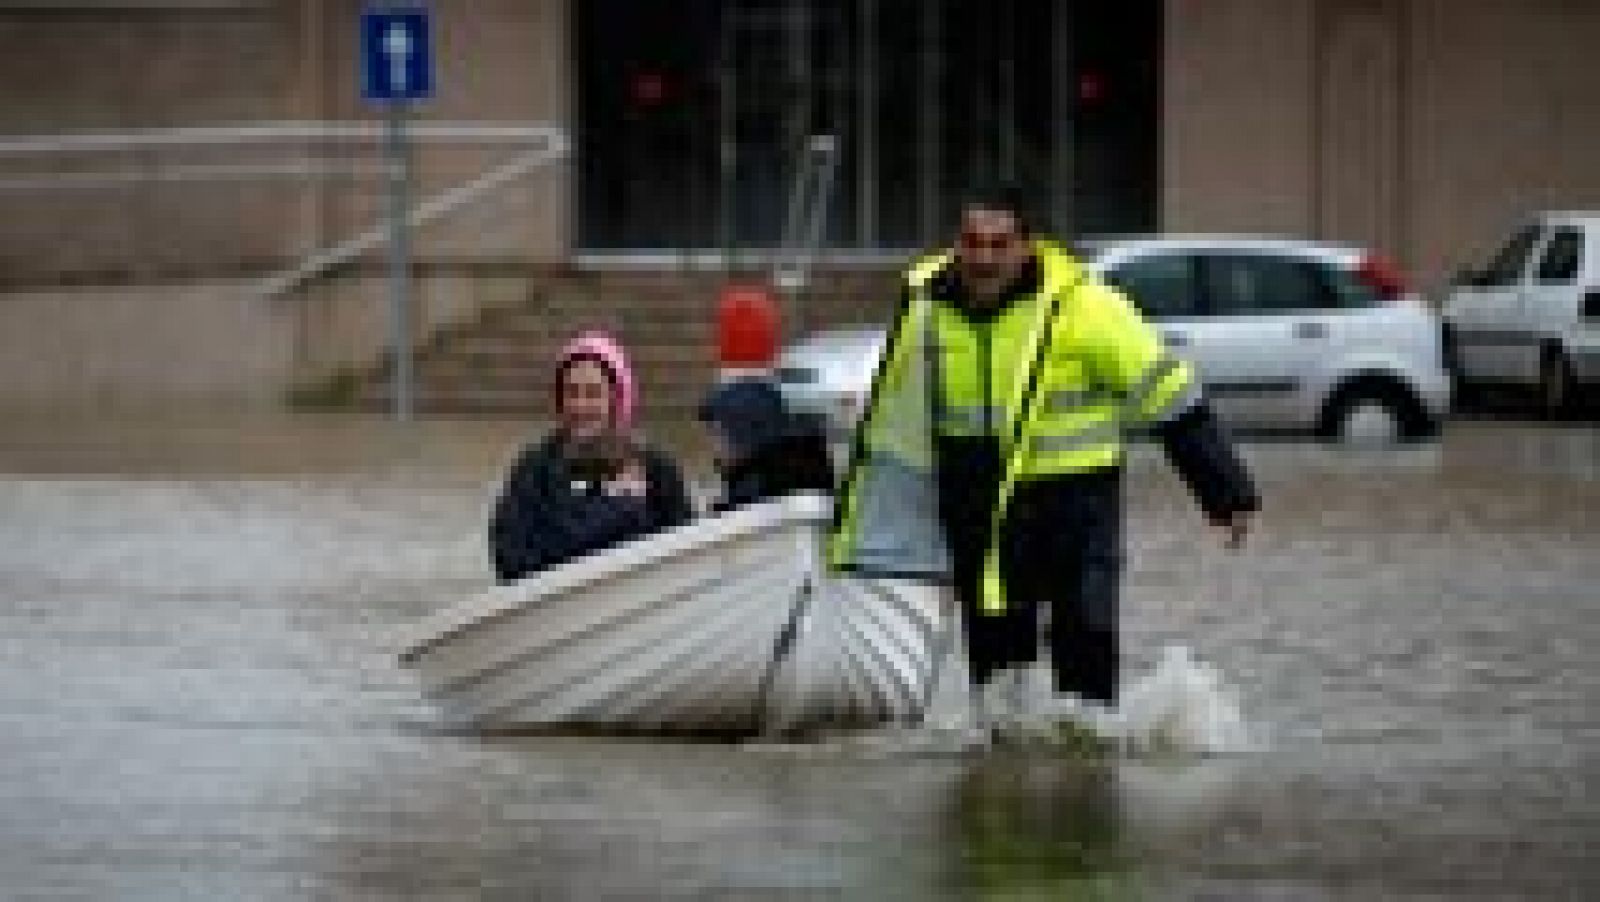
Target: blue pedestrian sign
396,54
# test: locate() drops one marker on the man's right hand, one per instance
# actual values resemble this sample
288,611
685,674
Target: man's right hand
630,482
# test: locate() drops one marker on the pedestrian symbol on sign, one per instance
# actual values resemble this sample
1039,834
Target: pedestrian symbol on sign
396,64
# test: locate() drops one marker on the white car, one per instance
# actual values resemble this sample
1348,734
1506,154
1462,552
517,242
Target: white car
1530,318
1284,334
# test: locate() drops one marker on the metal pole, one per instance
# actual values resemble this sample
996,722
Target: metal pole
1063,95
932,128
398,155
800,111
1007,63
826,149
867,124
727,132
802,86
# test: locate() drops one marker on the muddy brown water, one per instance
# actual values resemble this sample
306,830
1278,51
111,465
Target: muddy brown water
195,701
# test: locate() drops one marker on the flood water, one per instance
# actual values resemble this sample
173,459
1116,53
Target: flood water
196,698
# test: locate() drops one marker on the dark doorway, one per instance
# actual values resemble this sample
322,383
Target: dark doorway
693,116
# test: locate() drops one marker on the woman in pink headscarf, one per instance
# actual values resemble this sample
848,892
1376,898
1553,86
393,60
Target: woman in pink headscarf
591,483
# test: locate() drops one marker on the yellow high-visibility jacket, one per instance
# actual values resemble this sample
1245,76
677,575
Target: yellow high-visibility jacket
1057,377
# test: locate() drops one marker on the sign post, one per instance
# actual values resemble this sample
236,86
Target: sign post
396,69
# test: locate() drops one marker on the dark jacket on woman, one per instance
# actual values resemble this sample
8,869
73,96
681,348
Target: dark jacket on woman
551,510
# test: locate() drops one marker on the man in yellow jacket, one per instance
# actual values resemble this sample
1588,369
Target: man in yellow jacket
990,455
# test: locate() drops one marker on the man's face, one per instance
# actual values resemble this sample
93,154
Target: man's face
585,399
991,251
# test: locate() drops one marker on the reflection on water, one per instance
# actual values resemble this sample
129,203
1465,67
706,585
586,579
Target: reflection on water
196,701
1042,829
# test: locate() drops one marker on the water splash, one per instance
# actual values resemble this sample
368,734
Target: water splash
1185,706
1182,706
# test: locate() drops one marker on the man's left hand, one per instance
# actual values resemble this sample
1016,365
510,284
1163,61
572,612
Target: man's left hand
1236,528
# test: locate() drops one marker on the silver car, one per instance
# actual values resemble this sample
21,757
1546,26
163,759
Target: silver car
1286,335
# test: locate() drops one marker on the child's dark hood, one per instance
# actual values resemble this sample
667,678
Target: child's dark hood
750,412
775,452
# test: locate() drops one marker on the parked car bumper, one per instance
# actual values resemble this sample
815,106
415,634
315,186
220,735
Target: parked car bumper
1585,354
1434,391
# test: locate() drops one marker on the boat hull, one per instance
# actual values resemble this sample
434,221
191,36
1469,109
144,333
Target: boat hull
730,624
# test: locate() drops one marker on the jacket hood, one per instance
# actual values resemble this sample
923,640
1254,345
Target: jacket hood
750,412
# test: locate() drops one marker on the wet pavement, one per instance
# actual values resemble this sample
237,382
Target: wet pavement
196,699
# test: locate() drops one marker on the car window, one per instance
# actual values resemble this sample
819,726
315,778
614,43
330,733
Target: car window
1349,289
1161,285
1563,257
1240,284
1511,261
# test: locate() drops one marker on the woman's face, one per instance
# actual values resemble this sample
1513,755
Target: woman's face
586,399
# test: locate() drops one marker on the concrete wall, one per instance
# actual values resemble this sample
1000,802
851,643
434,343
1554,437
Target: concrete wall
154,66
127,348
1359,100
1424,128
72,68
136,294
1503,119
1237,126
214,343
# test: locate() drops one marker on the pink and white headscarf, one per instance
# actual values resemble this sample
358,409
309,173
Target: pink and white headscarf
603,347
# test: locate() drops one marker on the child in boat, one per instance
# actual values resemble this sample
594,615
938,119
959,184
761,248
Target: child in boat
762,449
594,481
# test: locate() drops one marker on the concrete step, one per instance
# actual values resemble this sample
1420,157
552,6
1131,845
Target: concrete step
654,381
644,341
508,402
501,364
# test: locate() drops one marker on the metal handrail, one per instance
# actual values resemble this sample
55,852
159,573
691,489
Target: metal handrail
431,210
542,144
807,214
458,132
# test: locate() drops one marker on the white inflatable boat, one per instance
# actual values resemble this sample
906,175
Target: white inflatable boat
729,624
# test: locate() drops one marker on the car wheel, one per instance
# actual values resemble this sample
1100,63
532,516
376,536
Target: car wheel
1464,392
1558,387
1375,414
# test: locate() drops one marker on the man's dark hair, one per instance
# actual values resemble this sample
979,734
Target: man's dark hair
999,194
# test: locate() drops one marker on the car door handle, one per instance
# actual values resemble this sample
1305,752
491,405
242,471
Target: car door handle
1176,339
1312,331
